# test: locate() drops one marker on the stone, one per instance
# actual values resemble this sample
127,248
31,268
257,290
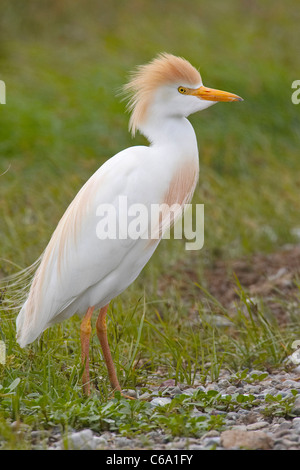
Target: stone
100,442
296,407
252,440
195,412
121,442
82,440
231,390
176,391
291,384
130,393
189,391
179,444
213,387
232,415
296,423
256,426
224,383
145,396
195,447
239,427
172,391
168,383
212,433
160,401
211,441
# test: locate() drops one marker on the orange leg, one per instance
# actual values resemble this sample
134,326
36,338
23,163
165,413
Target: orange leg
85,333
102,335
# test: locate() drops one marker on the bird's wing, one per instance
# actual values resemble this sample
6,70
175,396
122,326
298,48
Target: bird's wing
75,258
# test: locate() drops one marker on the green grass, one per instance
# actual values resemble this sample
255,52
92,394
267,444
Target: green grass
63,65
41,386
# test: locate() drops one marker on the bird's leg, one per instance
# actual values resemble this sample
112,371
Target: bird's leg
102,335
85,333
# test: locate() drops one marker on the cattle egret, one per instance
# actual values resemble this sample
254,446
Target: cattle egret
81,270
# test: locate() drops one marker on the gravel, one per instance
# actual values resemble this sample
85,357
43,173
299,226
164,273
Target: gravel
244,429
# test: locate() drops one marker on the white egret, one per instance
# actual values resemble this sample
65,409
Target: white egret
80,270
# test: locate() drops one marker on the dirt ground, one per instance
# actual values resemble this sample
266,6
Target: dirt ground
274,277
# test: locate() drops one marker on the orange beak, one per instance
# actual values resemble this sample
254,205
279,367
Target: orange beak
210,94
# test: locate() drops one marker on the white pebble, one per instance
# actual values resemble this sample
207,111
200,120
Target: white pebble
160,401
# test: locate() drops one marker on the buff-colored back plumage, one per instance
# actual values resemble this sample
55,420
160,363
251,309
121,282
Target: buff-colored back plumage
163,70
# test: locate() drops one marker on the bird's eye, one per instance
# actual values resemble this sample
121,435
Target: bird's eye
182,90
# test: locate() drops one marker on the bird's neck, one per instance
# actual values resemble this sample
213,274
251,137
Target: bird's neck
171,131
173,146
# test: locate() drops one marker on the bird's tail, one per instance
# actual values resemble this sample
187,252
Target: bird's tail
14,291
25,334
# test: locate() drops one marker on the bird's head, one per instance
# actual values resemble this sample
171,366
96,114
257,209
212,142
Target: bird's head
169,86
